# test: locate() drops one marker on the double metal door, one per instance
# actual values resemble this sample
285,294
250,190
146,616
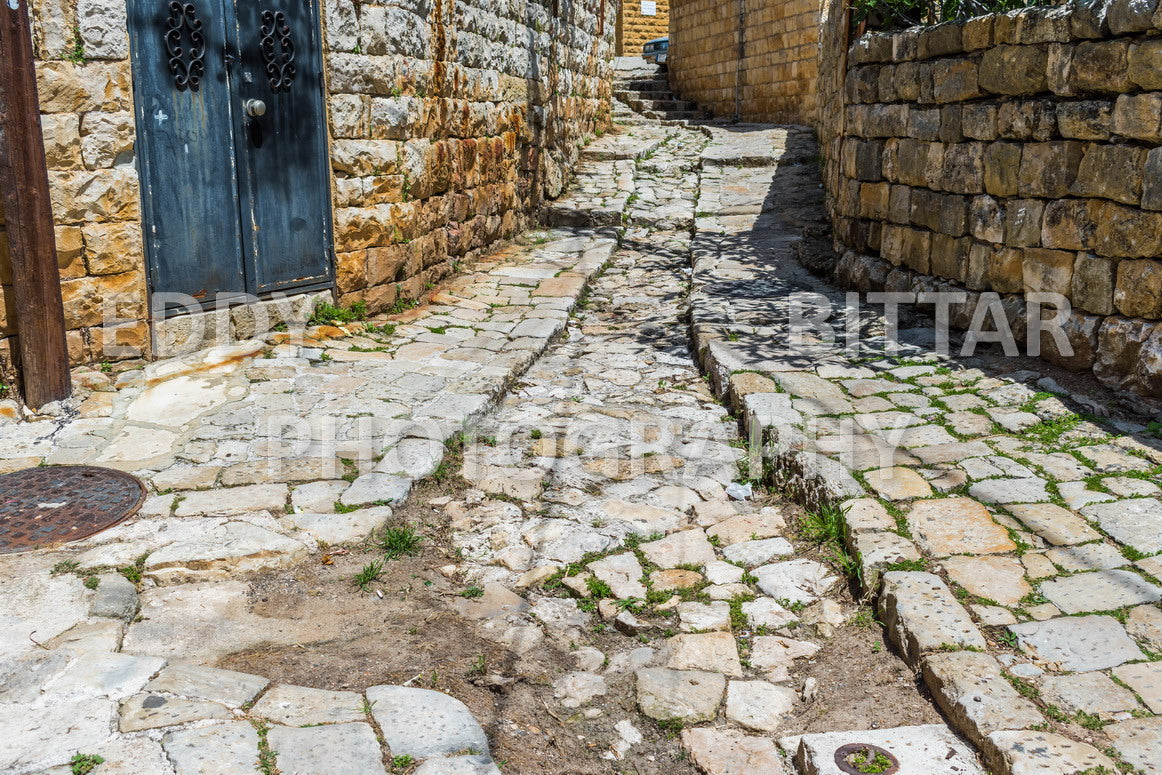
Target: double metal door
231,147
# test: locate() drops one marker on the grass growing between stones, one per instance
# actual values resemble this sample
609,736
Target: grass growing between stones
327,313
827,527
267,760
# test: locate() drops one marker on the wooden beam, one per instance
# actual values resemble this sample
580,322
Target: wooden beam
36,283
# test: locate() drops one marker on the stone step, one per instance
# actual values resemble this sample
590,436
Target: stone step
676,115
625,95
664,106
653,84
569,214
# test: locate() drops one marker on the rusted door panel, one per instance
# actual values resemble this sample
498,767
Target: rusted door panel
185,150
285,191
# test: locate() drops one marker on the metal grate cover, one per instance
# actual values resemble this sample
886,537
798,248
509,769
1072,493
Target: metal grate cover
50,505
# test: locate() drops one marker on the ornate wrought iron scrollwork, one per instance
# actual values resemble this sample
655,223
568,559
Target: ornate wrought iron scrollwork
186,46
278,50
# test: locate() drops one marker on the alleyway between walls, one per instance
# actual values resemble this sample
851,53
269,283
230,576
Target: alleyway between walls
601,561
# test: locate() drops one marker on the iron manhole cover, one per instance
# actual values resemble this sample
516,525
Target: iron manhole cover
53,504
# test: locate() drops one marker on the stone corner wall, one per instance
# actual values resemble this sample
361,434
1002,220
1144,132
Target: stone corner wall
1015,154
752,59
634,28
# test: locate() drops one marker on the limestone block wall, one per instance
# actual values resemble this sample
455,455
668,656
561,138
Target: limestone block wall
754,59
1019,154
82,47
635,28
451,121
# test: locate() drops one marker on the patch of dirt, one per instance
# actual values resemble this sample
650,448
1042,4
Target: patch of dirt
861,682
413,634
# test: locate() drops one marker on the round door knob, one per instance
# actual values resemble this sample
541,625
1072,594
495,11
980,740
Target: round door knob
254,108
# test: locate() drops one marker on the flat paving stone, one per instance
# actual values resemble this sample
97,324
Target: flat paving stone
1145,678
1056,525
688,547
150,711
1025,752
422,723
932,750
1139,741
697,617
946,526
1078,643
1135,522
377,489
298,705
1102,590
747,527
333,749
766,612
754,553
1013,490
799,581
731,752
1001,579
42,734
898,483
222,749
758,705
105,675
689,696
233,501
1097,556
1086,692
714,652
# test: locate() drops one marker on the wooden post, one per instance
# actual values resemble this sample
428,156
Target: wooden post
36,283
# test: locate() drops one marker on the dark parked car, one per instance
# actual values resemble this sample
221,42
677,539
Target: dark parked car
655,50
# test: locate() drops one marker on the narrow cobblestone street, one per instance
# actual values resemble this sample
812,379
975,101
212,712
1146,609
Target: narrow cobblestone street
750,545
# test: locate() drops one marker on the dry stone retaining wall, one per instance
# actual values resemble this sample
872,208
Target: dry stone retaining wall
451,122
634,28
1019,154
773,76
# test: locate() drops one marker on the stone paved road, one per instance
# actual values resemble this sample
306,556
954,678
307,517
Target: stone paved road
1011,542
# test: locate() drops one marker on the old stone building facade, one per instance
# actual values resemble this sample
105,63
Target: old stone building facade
639,22
446,125
755,60
1019,154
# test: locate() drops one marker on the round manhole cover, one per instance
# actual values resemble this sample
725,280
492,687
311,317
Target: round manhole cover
53,504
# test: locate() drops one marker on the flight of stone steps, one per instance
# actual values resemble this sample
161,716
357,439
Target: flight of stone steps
643,93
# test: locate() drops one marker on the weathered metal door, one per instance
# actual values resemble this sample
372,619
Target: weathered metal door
231,146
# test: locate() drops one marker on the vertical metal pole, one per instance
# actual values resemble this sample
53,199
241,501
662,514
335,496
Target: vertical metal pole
36,284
